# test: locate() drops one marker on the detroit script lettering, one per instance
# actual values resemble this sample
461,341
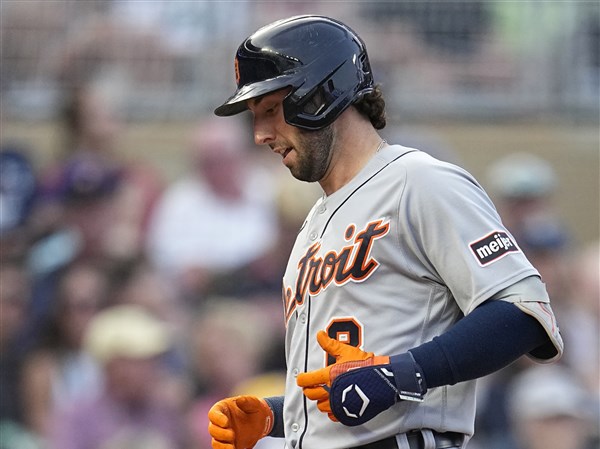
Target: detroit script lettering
351,263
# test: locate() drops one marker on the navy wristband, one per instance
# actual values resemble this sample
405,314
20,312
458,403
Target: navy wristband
276,404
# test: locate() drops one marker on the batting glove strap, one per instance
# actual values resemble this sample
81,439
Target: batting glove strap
359,395
408,377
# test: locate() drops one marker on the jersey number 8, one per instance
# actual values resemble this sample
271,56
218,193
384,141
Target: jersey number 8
346,330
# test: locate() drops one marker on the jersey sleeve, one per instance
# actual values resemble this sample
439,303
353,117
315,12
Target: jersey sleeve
531,297
453,228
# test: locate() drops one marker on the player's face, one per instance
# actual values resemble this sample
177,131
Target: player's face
307,154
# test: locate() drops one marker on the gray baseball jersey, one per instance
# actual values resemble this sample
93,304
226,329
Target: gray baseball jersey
386,263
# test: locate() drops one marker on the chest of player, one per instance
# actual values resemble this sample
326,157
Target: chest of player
355,270
331,253
350,258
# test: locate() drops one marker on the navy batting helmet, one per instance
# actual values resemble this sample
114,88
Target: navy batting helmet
323,61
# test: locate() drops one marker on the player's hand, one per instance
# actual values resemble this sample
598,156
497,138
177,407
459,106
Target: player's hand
361,385
316,384
239,422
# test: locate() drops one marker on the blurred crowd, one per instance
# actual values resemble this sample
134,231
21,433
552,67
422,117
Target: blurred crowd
466,57
530,406
130,302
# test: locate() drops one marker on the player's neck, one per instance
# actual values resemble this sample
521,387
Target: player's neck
355,144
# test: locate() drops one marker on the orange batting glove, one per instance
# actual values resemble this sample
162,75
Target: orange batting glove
316,384
239,422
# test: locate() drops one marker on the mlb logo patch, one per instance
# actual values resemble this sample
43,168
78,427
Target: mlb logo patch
492,247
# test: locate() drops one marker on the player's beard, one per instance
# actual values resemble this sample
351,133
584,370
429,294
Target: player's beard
313,154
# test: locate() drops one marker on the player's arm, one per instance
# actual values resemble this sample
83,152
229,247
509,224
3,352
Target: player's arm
239,422
492,336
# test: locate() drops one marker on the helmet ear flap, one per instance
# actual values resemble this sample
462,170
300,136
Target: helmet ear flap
362,93
364,66
332,92
316,102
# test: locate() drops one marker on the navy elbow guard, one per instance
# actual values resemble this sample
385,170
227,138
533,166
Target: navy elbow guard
359,395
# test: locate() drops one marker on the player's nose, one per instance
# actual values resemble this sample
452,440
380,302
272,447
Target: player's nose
263,133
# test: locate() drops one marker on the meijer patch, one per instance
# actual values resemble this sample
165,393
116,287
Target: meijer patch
492,247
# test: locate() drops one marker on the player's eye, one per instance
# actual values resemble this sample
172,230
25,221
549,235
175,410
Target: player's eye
271,109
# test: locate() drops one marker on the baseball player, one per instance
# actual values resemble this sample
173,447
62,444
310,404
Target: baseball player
403,285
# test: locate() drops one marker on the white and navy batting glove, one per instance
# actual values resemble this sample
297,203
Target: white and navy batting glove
358,395
360,385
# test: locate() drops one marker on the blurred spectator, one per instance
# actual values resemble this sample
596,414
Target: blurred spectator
435,51
532,34
95,190
143,287
493,424
453,27
18,189
60,371
14,436
522,175
547,245
593,46
128,412
582,316
550,410
184,26
100,43
27,28
14,302
217,218
241,332
523,185
572,280
260,279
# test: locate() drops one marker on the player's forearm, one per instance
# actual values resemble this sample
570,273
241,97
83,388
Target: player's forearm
276,404
489,338
492,336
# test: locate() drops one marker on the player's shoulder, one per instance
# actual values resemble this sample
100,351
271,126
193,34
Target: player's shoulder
428,174
419,162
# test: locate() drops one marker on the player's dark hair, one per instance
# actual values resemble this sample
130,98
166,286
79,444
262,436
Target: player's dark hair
372,106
